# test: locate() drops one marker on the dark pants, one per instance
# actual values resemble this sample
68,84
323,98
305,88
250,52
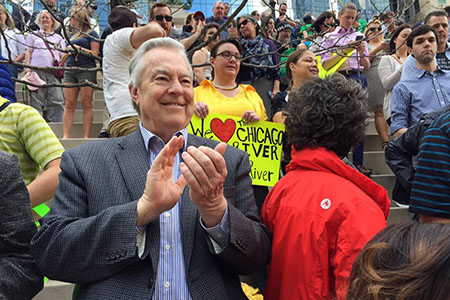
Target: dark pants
358,150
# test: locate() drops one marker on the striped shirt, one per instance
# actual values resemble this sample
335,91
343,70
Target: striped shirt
417,93
25,133
171,276
430,194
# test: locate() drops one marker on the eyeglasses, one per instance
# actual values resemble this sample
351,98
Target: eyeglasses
196,19
373,29
243,23
159,18
227,55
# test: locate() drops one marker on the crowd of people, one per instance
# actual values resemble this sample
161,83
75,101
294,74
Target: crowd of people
154,212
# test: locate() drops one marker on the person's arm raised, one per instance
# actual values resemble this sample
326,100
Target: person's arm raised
144,33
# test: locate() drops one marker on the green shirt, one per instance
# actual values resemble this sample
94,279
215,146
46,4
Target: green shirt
306,28
25,133
362,25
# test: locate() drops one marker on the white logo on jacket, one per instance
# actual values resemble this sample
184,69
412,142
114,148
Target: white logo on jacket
325,203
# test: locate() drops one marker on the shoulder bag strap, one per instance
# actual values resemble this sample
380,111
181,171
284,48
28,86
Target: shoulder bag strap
50,49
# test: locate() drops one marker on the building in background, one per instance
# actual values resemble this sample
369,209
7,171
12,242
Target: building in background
413,9
316,7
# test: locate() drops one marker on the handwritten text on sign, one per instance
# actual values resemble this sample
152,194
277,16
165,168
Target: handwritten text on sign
261,140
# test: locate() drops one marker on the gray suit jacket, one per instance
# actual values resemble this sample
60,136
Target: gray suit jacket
19,276
89,237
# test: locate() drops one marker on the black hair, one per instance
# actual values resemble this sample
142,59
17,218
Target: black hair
394,36
419,30
208,26
233,41
327,113
321,20
435,13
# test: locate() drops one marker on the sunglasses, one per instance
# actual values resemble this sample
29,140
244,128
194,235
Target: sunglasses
329,25
159,18
373,29
243,23
227,55
198,19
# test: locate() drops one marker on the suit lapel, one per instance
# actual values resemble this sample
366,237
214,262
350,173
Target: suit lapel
134,164
189,213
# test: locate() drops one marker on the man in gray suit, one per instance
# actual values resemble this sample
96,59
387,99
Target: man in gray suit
20,278
185,229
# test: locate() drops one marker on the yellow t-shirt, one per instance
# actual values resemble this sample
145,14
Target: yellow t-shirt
247,99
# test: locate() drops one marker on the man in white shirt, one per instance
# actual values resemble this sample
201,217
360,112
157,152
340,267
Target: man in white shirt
118,50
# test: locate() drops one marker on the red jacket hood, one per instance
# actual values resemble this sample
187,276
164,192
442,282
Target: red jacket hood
321,159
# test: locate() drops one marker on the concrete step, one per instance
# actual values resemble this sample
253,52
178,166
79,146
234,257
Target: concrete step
98,116
370,128
77,129
23,96
74,142
376,161
385,180
55,290
399,215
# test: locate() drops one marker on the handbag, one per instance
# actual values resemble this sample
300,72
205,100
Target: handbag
59,74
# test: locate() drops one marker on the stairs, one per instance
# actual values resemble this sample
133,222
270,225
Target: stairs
373,158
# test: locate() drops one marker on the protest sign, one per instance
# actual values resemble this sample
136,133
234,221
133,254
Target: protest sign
262,141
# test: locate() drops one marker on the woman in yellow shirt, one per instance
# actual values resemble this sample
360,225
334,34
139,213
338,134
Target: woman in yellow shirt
223,95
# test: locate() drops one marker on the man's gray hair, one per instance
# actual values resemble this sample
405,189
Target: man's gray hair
136,66
348,5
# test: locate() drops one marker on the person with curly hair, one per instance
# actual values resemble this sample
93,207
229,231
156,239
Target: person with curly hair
323,212
404,262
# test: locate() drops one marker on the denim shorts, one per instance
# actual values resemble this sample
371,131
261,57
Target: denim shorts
80,76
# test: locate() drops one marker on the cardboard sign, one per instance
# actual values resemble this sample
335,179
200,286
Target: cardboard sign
262,141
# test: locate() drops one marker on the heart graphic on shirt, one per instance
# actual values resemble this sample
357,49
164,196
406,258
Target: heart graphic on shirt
223,130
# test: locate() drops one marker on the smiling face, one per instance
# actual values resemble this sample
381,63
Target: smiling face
223,66
424,47
248,30
165,96
305,68
46,21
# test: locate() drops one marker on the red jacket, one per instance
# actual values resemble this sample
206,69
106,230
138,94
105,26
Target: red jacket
321,215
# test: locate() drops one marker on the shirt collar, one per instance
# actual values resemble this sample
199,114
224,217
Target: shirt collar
341,30
147,135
